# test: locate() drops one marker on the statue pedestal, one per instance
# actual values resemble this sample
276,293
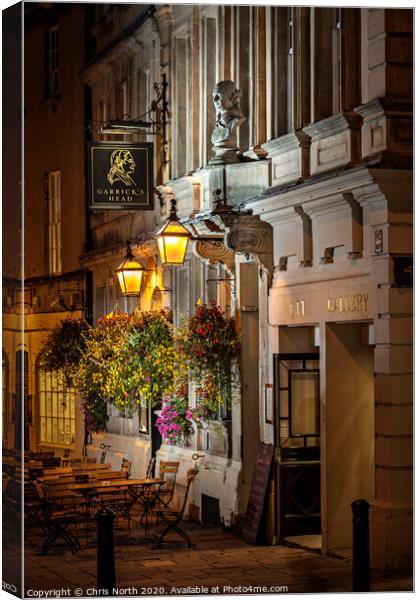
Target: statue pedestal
224,156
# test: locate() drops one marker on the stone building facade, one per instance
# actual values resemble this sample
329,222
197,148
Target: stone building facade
315,264
44,280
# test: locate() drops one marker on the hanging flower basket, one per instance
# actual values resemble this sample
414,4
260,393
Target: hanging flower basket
209,347
63,348
128,360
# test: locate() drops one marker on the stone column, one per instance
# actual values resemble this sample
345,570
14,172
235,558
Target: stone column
301,68
391,519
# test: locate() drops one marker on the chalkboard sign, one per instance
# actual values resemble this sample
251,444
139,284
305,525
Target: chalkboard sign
251,521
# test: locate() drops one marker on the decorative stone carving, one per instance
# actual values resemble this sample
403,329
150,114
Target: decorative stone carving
215,252
249,235
226,98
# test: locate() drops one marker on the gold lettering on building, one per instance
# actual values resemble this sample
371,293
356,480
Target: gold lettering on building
350,303
296,308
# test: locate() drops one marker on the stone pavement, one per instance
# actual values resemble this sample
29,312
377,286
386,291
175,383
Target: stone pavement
219,561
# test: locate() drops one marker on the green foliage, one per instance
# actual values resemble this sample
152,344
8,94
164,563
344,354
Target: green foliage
128,360
209,347
64,347
95,412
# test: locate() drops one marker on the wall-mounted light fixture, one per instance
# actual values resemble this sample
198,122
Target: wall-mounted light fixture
173,237
130,274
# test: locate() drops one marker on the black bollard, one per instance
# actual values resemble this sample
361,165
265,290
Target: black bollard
105,565
361,560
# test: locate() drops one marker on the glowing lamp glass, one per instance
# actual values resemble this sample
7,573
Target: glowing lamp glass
173,241
130,273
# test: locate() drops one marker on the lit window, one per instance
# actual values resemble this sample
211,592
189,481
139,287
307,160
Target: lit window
54,222
53,61
56,404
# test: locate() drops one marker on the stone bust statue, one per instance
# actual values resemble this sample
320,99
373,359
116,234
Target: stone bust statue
226,98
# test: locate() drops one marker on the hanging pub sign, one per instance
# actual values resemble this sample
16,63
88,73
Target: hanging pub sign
120,176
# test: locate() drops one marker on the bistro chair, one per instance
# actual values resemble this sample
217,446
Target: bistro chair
32,508
172,518
120,502
167,471
56,522
150,471
126,467
65,459
12,499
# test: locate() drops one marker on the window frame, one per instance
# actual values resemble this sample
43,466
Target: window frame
71,397
54,223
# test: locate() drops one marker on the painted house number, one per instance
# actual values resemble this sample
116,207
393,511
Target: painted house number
296,308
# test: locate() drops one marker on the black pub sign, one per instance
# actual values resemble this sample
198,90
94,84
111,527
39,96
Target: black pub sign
120,175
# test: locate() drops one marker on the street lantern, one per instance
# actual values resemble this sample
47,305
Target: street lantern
173,239
130,273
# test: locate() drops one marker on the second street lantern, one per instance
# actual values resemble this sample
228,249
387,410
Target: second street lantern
130,273
173,239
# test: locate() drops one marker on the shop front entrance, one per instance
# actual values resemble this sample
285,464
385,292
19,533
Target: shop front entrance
324,433
347,429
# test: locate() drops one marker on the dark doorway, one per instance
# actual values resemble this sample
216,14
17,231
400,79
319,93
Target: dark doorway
297,439
210,510
156,438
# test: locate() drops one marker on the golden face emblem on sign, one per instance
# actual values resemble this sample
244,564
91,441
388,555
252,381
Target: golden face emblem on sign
122,164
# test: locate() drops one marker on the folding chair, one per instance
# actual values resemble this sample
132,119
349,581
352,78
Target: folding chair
65,458
167,471
150,471
126,467
173,517
56,522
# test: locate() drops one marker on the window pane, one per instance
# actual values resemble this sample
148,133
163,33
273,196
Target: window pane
304,408
56,409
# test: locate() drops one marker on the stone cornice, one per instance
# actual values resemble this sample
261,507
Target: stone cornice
286,143
333,125
385,106
351,180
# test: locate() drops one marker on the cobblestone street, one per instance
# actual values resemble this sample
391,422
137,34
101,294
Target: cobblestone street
219,562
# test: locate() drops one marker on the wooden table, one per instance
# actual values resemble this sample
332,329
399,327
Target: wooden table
140,490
